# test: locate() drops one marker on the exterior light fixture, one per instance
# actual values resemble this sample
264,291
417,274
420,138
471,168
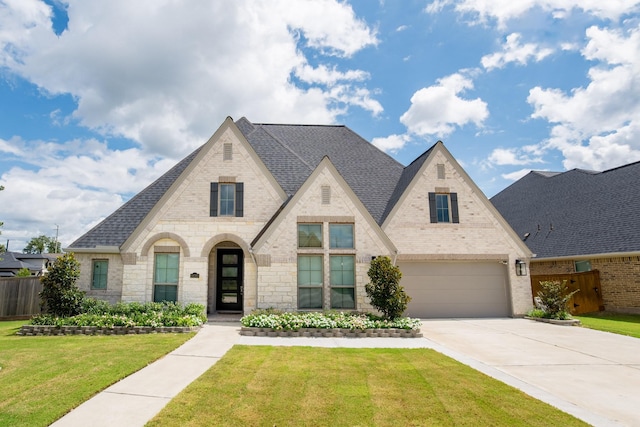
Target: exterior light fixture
521,268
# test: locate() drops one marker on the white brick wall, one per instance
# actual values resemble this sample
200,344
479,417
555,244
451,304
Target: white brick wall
183,220
478,234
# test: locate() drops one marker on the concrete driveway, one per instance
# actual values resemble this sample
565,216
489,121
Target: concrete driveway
592,375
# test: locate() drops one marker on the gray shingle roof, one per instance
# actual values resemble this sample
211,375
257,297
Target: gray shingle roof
405,179
117,227
291,153
577,212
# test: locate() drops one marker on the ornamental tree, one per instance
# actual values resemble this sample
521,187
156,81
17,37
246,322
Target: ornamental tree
60,296
384,291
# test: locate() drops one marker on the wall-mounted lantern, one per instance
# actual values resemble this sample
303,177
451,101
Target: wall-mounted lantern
521,268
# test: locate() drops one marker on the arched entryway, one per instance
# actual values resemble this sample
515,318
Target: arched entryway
226,278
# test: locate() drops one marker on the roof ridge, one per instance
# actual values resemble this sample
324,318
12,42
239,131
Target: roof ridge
621,166
285,146
297,125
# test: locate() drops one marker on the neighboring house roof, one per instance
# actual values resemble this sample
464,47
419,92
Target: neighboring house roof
575,213
291,153
11,262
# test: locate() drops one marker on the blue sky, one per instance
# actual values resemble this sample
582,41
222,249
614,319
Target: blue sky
100,97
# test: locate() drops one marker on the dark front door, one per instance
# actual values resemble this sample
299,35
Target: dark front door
229,280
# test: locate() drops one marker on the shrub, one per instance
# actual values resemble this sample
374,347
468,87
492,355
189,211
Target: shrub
287,321
554,298
23,272
385,291
102,314
60,296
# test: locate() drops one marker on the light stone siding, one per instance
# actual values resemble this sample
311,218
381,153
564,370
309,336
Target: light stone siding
619,279
479,234
277,283
113,292
182,219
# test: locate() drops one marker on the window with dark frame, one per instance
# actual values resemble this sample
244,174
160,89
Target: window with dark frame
443,208
226,199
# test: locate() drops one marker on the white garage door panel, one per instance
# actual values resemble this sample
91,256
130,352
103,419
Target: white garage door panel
456,289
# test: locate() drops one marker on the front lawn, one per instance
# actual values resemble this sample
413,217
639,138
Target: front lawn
304,386
42,378
618,323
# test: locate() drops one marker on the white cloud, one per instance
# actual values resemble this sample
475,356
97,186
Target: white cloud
163,74
162,80
82,180
515,156
516,175
391,143
437,110
597,126
505,10
513,51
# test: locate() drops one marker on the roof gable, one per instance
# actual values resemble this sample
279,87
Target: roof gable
295,201
576,212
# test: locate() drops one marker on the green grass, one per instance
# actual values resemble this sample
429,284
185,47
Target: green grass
42,378
618,323
303,386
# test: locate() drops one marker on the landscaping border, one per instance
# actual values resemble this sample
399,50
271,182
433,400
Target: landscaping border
47,330
567,322
332,333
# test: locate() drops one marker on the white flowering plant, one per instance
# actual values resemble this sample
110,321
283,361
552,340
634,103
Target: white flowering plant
293,321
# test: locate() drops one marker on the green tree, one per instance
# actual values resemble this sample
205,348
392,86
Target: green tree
40,244
23,272
60,296
385,291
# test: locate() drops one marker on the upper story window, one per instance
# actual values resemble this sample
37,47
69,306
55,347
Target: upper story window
227,199
443,207
341,236
309,235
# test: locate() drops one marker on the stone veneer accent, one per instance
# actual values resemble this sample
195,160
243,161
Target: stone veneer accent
619,277
40,330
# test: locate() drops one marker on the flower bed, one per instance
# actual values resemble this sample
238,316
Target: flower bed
329,324
40,330
99,317
332,332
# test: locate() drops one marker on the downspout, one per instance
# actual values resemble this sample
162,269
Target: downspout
395,257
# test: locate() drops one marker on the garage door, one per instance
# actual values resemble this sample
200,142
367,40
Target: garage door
456,289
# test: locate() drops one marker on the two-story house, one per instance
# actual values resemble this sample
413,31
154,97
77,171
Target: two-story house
290,216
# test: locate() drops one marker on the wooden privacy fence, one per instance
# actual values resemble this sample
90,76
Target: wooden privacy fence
19,297
589,297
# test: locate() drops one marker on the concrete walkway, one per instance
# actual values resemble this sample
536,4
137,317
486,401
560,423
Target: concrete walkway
136,399
592,375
